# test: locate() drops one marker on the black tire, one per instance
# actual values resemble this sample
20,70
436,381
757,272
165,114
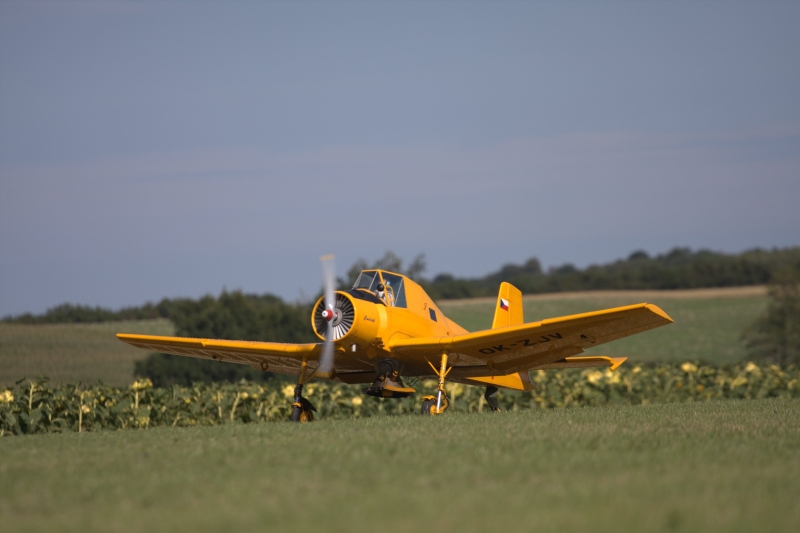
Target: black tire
301,415
296,412
427,405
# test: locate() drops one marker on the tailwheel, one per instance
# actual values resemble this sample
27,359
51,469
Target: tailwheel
491,399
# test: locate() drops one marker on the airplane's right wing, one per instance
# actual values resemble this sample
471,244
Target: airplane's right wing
272,356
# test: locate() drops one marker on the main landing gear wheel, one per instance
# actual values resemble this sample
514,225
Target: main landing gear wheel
302,409
428,406
301,415
436,405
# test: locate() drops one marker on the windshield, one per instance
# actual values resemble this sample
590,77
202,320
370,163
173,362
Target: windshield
364,280
393,293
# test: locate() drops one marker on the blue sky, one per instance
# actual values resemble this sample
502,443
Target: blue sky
172,149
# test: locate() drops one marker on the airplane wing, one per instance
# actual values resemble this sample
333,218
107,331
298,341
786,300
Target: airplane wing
533,345
268,356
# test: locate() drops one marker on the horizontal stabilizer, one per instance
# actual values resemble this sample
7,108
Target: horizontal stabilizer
516,381
584,362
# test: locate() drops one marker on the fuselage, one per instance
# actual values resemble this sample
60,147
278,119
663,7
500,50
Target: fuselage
368,319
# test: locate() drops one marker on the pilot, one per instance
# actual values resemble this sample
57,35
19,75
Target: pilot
380,291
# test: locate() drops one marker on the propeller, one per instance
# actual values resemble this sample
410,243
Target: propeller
325,368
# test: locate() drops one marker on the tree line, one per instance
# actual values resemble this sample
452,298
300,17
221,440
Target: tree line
249,315
775,336
680,268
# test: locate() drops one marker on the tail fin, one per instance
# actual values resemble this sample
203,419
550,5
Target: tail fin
508,311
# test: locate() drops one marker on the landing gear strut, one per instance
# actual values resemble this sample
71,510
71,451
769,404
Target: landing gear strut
436,405
302,409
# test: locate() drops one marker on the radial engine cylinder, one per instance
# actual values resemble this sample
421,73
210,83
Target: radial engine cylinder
355,321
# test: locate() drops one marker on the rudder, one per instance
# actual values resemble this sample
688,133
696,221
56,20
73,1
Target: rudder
508,310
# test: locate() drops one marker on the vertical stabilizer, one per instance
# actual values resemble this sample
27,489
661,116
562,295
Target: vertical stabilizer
508,311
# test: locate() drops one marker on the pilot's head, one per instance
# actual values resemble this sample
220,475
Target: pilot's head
380,288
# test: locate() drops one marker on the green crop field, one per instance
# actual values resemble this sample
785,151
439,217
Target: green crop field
708,322
68,353
716,466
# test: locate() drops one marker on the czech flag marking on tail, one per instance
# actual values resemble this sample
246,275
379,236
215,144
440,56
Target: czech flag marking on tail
503,304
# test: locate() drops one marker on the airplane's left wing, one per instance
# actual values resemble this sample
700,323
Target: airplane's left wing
268,356
551,342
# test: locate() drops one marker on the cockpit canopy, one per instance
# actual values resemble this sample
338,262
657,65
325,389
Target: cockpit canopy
393,294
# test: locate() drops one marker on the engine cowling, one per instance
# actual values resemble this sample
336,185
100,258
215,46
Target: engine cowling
355,320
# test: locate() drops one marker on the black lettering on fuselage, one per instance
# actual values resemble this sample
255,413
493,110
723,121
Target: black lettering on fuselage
550,337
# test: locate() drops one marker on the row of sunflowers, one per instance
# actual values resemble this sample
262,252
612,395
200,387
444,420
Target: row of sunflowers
35,406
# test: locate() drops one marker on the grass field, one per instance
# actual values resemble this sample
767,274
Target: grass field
708,322
68,353
720,466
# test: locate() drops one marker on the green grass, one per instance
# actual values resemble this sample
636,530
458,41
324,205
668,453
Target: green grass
708,323
68,353
720,466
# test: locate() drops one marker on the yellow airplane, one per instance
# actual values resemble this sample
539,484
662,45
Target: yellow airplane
386,327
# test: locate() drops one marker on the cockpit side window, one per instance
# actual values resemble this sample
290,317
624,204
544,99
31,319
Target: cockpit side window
395,290
373,287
